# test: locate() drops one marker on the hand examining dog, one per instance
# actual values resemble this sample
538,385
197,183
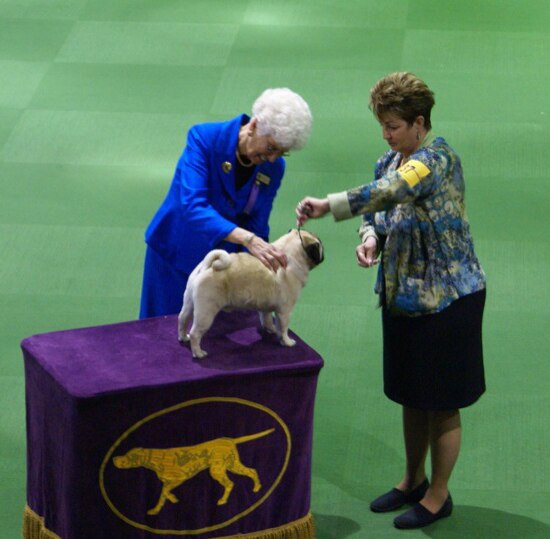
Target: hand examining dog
271,257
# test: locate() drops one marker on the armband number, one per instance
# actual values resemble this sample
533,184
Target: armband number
413,171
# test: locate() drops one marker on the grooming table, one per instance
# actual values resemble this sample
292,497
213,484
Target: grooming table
130,437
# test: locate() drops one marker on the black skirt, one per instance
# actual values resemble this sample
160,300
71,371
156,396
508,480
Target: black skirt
435,361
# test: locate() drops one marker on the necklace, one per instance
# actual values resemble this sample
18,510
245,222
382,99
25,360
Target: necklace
241,161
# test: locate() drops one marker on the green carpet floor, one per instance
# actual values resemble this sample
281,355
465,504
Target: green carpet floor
95,100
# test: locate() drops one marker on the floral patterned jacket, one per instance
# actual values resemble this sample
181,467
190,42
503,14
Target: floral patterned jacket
417,213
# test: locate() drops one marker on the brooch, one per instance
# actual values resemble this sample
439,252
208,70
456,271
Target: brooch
262,178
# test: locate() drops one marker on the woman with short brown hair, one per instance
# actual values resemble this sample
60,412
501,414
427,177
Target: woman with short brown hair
431,288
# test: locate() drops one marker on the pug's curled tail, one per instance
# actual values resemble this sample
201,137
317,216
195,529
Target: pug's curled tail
218,260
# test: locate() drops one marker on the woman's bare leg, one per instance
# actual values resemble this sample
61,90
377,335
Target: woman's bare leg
445,435
416,432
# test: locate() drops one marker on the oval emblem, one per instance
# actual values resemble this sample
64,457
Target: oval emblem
195,467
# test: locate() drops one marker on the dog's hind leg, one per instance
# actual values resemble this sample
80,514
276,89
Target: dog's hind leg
283,319
184,318
202,320
237,467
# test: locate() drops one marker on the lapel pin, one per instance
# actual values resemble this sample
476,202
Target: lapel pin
226,166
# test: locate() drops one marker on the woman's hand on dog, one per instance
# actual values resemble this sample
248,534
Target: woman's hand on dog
367,252
268,255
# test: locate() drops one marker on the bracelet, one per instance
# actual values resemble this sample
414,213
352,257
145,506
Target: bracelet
248,239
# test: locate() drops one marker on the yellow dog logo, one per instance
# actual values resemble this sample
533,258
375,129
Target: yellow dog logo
176,465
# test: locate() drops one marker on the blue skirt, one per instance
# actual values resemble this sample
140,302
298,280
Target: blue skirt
162,288
435,362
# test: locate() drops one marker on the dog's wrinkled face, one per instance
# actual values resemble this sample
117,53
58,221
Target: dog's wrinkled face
313,247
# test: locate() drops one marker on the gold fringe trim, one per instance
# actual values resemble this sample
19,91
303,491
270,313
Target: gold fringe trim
34,528
304,528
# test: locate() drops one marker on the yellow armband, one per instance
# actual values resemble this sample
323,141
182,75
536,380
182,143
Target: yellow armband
413,171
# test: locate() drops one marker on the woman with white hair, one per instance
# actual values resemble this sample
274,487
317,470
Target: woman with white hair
221,195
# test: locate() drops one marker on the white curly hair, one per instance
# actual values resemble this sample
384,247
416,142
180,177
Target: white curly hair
283,115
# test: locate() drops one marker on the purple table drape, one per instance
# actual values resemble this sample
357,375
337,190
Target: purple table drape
130,437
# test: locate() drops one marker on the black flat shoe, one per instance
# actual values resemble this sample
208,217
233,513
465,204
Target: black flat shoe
395,498
418,516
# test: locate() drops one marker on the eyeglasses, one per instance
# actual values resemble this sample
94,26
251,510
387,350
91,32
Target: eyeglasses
273,150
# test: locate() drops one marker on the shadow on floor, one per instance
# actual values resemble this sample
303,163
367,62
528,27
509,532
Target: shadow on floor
465,522
482,523
334,527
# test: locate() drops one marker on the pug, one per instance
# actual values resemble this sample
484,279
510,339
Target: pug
240,281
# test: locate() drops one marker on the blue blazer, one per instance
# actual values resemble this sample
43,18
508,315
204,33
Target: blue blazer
202,205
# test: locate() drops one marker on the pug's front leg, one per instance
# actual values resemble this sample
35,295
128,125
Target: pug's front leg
282,321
